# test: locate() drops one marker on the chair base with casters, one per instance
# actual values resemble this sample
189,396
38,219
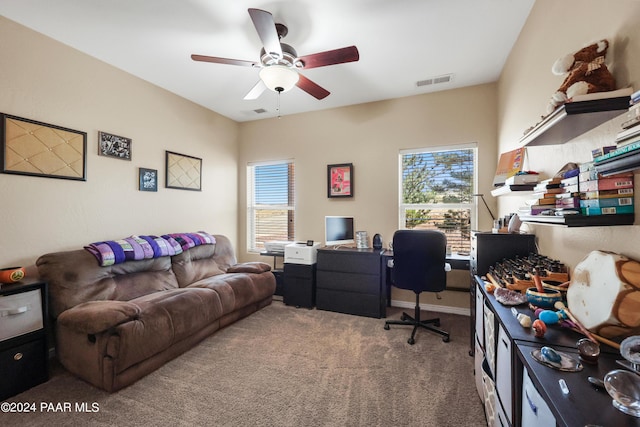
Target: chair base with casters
430,324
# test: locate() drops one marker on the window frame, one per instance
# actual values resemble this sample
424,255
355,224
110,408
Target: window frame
252,207
472,205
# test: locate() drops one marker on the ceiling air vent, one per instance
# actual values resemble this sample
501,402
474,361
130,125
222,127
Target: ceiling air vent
260,111
435,80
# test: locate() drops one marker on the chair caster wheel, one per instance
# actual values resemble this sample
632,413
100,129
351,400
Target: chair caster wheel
445,339
403,317
386,327
411,341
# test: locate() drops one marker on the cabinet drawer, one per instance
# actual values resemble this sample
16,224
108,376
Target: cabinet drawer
348,282
479,320
352,262
490,337
299,270
23,367
349,302
20,314
535,411
504,373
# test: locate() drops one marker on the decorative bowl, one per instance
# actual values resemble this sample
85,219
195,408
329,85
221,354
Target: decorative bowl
11,274
624,387
544,299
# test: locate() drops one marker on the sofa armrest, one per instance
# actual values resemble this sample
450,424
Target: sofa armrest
97,316
250,267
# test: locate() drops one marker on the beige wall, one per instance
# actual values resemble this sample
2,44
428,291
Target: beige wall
370,136
43,80
555,28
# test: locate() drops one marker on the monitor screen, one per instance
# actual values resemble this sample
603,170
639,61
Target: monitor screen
338,230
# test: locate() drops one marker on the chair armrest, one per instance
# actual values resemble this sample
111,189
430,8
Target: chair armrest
97,316
249,267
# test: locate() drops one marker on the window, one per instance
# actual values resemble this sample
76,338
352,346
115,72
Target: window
437,187
270,203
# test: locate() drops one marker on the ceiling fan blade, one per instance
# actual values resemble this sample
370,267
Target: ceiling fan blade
331,57
256,91
312,88
203,58
266,28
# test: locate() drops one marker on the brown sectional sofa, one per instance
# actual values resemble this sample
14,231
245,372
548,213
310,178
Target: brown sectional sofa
118,323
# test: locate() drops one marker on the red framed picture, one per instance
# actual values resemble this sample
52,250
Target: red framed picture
340,180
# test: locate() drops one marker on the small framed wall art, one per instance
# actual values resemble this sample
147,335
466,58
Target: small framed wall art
183,172
148,179
114,146
33,148
340,180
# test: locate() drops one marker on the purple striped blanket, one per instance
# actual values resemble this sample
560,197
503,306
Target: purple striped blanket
112,252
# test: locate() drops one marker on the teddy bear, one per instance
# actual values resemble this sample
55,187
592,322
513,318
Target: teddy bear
586,73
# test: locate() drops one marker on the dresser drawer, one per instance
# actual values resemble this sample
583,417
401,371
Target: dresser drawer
20,313
23,367
349,261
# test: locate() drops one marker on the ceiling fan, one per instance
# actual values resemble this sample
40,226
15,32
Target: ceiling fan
279,62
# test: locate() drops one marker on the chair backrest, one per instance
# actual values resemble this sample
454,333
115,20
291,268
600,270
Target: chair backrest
419,258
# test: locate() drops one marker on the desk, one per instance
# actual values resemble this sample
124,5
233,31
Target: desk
457,262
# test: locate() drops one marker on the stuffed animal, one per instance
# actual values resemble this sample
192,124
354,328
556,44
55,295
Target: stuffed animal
587,73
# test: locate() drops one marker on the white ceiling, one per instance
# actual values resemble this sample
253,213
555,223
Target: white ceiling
400,42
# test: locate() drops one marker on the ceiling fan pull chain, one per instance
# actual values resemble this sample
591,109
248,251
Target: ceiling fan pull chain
278,104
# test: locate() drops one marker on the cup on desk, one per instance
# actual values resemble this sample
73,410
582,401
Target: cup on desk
448,250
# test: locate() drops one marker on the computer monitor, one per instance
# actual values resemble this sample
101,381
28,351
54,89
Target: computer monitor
338,230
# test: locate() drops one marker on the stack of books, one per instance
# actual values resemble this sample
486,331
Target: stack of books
633,118
568,201
545,192
626,156
600,195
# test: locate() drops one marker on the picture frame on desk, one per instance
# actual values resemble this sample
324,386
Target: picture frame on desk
340,180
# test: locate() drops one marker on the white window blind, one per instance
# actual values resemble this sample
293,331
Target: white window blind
271,203
437,187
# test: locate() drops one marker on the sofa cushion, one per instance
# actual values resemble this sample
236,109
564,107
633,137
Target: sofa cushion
238,290
203,261
98,316
164,318
75,277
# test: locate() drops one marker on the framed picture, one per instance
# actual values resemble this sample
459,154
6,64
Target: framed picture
40,149
114,146
148,179
340,180
183,172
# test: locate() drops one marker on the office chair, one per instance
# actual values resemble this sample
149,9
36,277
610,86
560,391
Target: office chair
419,265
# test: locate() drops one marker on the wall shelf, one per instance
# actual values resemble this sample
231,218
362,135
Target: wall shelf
509,189
580,220
573,119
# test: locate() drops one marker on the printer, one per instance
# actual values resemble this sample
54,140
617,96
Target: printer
301,253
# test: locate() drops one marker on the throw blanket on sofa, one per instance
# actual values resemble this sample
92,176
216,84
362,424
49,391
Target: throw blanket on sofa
112,252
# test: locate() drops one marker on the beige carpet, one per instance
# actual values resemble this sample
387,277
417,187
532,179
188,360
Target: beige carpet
285,366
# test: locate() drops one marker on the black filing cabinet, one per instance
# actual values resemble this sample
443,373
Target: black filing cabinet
349,280
24,361
300,285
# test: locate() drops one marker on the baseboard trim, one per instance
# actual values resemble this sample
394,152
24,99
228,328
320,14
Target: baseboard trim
432,307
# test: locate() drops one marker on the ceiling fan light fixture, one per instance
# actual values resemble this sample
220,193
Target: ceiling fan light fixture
279,78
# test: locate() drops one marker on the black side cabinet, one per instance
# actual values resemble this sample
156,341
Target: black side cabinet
487,249
349,281
24,361
300,285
